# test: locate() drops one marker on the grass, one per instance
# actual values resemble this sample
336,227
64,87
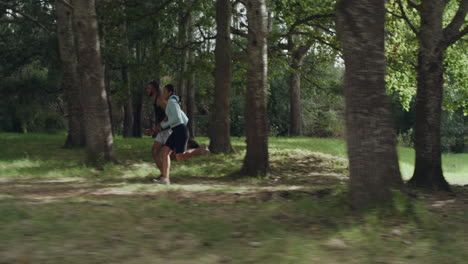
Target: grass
54,209
40,156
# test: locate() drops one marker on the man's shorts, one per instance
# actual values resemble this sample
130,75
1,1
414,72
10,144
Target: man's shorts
162,136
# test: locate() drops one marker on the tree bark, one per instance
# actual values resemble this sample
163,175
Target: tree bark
99,140
297,59
109,96
256,158
184,24
190,87
219,131
138,95
137,125
107,80
430,69
156,51
128,108
373,162
70,81
191,107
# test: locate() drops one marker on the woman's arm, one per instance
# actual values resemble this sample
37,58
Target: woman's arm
171,114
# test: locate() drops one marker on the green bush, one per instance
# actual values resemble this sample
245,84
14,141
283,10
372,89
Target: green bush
30,101
454,129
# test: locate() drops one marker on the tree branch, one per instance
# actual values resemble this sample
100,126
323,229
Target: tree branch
413,5
452,32
405,17
203,34
238,32
67,3
328,44
311,82
308,19
30,18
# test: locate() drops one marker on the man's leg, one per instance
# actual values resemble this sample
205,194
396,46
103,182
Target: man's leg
156,155
166,162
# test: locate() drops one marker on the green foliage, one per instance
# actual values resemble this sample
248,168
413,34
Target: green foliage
402,51
454,129
30,101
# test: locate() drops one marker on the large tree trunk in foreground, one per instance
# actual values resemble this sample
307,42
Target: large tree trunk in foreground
99,140
70,81
433,41
256,158
373,162
219,132
430,71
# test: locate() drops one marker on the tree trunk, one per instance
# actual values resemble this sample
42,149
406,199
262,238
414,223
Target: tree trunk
219,131
184,24
430,69
297,60
109,96
190,87
373,162
138,95
137,132
128,109
70,82
256,158
156,40
107,80
99,140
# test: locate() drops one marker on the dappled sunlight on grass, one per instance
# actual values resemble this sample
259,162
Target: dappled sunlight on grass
38,156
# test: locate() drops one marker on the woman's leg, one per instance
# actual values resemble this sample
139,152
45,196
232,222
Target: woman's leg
190,153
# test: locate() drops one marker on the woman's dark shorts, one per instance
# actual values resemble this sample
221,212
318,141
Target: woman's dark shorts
178,139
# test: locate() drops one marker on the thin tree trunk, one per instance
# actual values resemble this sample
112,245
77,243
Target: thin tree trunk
128,104
157,51
128,107
191,107
99,140
256,158
137,132
219,132
430,70
138,95
109,96
190,87
373,162
70,82
297,60
183,43
107,81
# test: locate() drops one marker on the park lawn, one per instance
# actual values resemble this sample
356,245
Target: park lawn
55,209
40,156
